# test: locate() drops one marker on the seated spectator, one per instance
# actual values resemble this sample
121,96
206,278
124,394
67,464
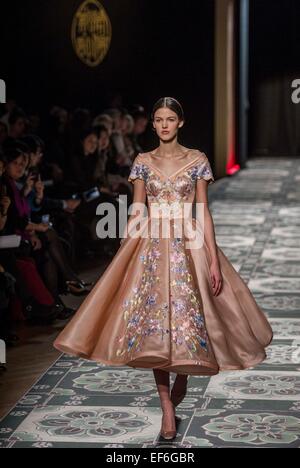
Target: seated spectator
127,128
7,290
36,301
9,106
18,123
84,160
85,175
118,165
141,120
3,133
56,144
100,171
117,146
45,244
39,202
106,121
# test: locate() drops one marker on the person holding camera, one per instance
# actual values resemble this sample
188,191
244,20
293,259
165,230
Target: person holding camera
43,243
31,300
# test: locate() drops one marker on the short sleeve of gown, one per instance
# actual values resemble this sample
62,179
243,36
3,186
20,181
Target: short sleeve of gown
203,170
138,170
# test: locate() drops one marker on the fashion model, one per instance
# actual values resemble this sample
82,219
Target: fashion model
164,302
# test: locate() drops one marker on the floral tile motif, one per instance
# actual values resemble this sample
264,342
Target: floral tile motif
111,382
88,424
255,429
257,385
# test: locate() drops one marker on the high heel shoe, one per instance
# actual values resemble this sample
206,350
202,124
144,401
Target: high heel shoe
168,435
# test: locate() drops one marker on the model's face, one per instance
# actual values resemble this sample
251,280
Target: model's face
16,168
166,123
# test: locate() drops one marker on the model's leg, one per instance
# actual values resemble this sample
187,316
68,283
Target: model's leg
162,379
179,389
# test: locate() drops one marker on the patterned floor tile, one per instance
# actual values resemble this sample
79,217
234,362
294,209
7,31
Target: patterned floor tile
89,424
247,428
78,403
262,385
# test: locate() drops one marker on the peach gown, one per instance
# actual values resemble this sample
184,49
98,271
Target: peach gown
154,307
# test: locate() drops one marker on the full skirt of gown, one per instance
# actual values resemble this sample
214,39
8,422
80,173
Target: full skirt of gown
154,307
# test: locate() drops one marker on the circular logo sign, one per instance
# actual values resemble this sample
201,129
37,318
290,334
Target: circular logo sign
91,32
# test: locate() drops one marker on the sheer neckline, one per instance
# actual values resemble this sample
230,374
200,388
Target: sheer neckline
174,173
182,153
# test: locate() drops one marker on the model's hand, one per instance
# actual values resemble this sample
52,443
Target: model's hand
216,277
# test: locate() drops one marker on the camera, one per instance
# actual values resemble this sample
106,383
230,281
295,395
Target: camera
91,194
35,173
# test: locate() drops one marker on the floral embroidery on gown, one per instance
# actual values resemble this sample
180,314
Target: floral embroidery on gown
153,307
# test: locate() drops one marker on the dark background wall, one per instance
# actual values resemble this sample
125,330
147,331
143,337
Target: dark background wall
274,64
158,48
274,36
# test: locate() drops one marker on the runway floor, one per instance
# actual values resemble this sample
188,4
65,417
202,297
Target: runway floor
77,403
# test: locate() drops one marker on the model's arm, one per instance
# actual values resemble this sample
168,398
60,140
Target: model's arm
139,191
209,235
139,196
209,231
